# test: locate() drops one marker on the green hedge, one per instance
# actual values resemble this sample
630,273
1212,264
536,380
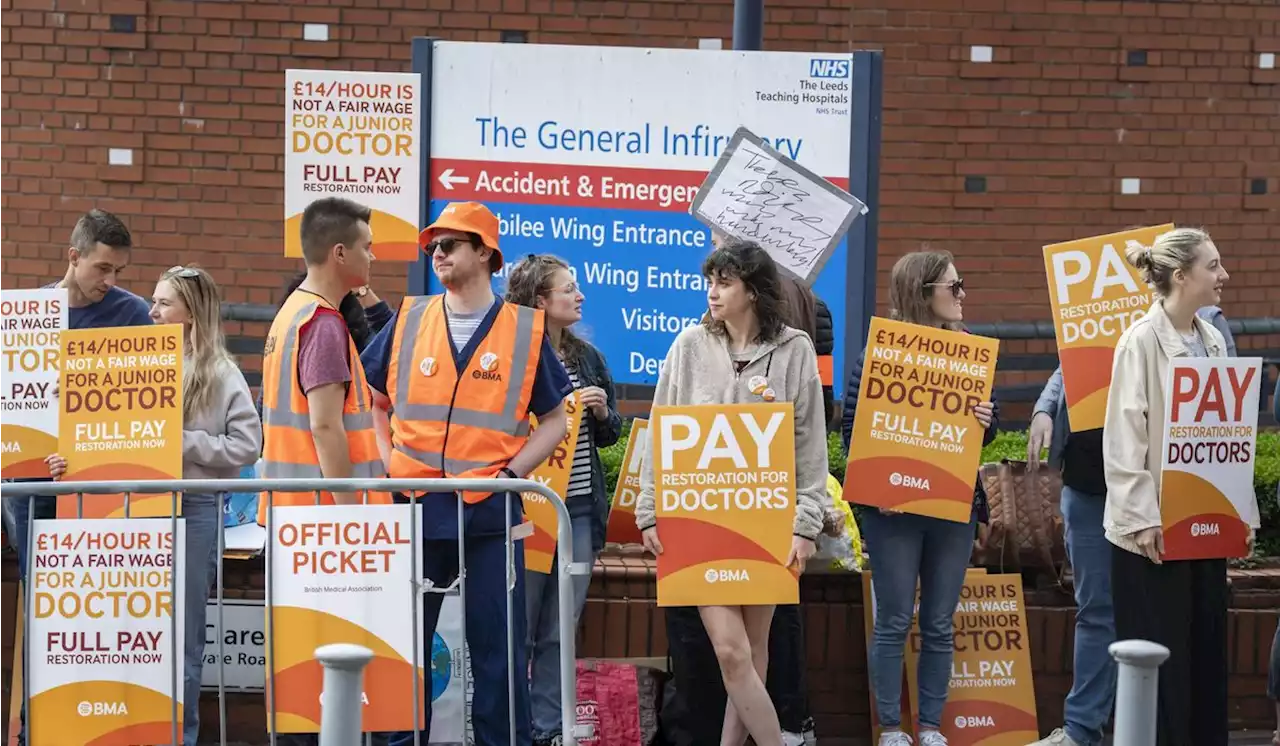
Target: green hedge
1012,444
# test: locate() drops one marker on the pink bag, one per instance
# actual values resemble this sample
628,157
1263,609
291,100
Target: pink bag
609,700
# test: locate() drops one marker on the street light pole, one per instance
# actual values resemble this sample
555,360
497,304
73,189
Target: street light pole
748,24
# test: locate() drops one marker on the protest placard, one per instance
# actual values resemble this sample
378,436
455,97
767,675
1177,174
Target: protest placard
121,416
992,699
540,547
725,499
1207,502
355,135
756,193
30,322
1095,295
622,514
106,651
916,444
344,574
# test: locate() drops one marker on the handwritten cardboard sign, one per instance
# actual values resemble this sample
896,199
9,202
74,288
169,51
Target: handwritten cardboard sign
30,322
758,194
1095,294
725,493
540,547
1207,502
916,443
622,515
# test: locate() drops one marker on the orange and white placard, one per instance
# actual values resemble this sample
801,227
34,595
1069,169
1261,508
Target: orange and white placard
725,498
355,135
344,573
121,416
1207,501
106,651
916,444
992,700
540,546
1095,295
622,515
30,324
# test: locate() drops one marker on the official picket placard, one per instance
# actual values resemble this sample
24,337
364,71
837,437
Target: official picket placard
540,547
756,193
992,700
1207,501
355,135
106,650
121,415
348,574
1095,295
30,322
916,444
622,514
725,497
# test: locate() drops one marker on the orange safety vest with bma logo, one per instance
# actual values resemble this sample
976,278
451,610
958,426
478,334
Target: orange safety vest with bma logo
288,448
447,423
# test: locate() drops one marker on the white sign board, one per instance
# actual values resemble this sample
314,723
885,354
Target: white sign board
756,193
242,631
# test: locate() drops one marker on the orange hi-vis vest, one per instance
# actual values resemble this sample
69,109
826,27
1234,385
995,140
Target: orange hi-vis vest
288,448
460,424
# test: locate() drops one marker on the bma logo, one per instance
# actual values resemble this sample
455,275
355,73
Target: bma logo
1206,529
101,708
488,368
820,68
898,479
713,575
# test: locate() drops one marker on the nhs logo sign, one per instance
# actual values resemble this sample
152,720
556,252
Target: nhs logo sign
819,68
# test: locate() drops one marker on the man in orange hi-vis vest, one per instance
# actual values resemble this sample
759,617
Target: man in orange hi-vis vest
317,410
462,373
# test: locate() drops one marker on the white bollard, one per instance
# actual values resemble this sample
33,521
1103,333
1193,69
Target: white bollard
1137,687
341,700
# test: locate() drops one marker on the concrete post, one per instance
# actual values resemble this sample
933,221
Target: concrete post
341,701
1136,689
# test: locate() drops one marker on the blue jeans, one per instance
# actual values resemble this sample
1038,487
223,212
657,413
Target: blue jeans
904,548
202,514
1093,687
542,603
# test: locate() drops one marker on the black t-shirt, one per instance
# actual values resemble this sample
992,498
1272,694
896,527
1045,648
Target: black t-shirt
1082,462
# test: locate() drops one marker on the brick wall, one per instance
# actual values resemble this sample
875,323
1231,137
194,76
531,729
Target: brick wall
1052,124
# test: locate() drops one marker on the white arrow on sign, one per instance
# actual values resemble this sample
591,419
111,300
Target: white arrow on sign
447,179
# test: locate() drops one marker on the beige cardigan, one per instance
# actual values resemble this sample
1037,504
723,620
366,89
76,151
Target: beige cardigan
1133,438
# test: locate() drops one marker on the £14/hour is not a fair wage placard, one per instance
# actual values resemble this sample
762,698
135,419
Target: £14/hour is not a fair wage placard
540,546
725,497
1207,502
30,322
916,444
1096,294
121,416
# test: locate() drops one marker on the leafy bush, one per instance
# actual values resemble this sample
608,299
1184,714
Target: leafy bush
1012,444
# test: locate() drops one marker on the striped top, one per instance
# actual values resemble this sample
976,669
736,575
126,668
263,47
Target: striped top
580,474
463,326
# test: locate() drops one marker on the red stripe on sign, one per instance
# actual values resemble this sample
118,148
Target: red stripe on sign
647,189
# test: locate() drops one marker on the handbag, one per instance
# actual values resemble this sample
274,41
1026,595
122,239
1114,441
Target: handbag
1026,528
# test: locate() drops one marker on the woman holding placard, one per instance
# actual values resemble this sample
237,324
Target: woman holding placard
743,353
544,281
1179,604
905,549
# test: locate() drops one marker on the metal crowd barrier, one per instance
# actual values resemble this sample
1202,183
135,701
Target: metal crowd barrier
566,568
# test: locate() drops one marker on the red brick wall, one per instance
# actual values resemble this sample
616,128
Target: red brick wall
1053,123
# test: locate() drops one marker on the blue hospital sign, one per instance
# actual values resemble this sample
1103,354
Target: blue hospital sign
595,153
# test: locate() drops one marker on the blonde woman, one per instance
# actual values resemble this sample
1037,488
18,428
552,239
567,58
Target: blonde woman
743,340
220,434
1179,604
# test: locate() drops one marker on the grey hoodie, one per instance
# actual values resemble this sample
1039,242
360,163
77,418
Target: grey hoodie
698,370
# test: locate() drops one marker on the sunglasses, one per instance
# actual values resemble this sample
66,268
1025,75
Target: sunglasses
957,287
446,245
185,273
